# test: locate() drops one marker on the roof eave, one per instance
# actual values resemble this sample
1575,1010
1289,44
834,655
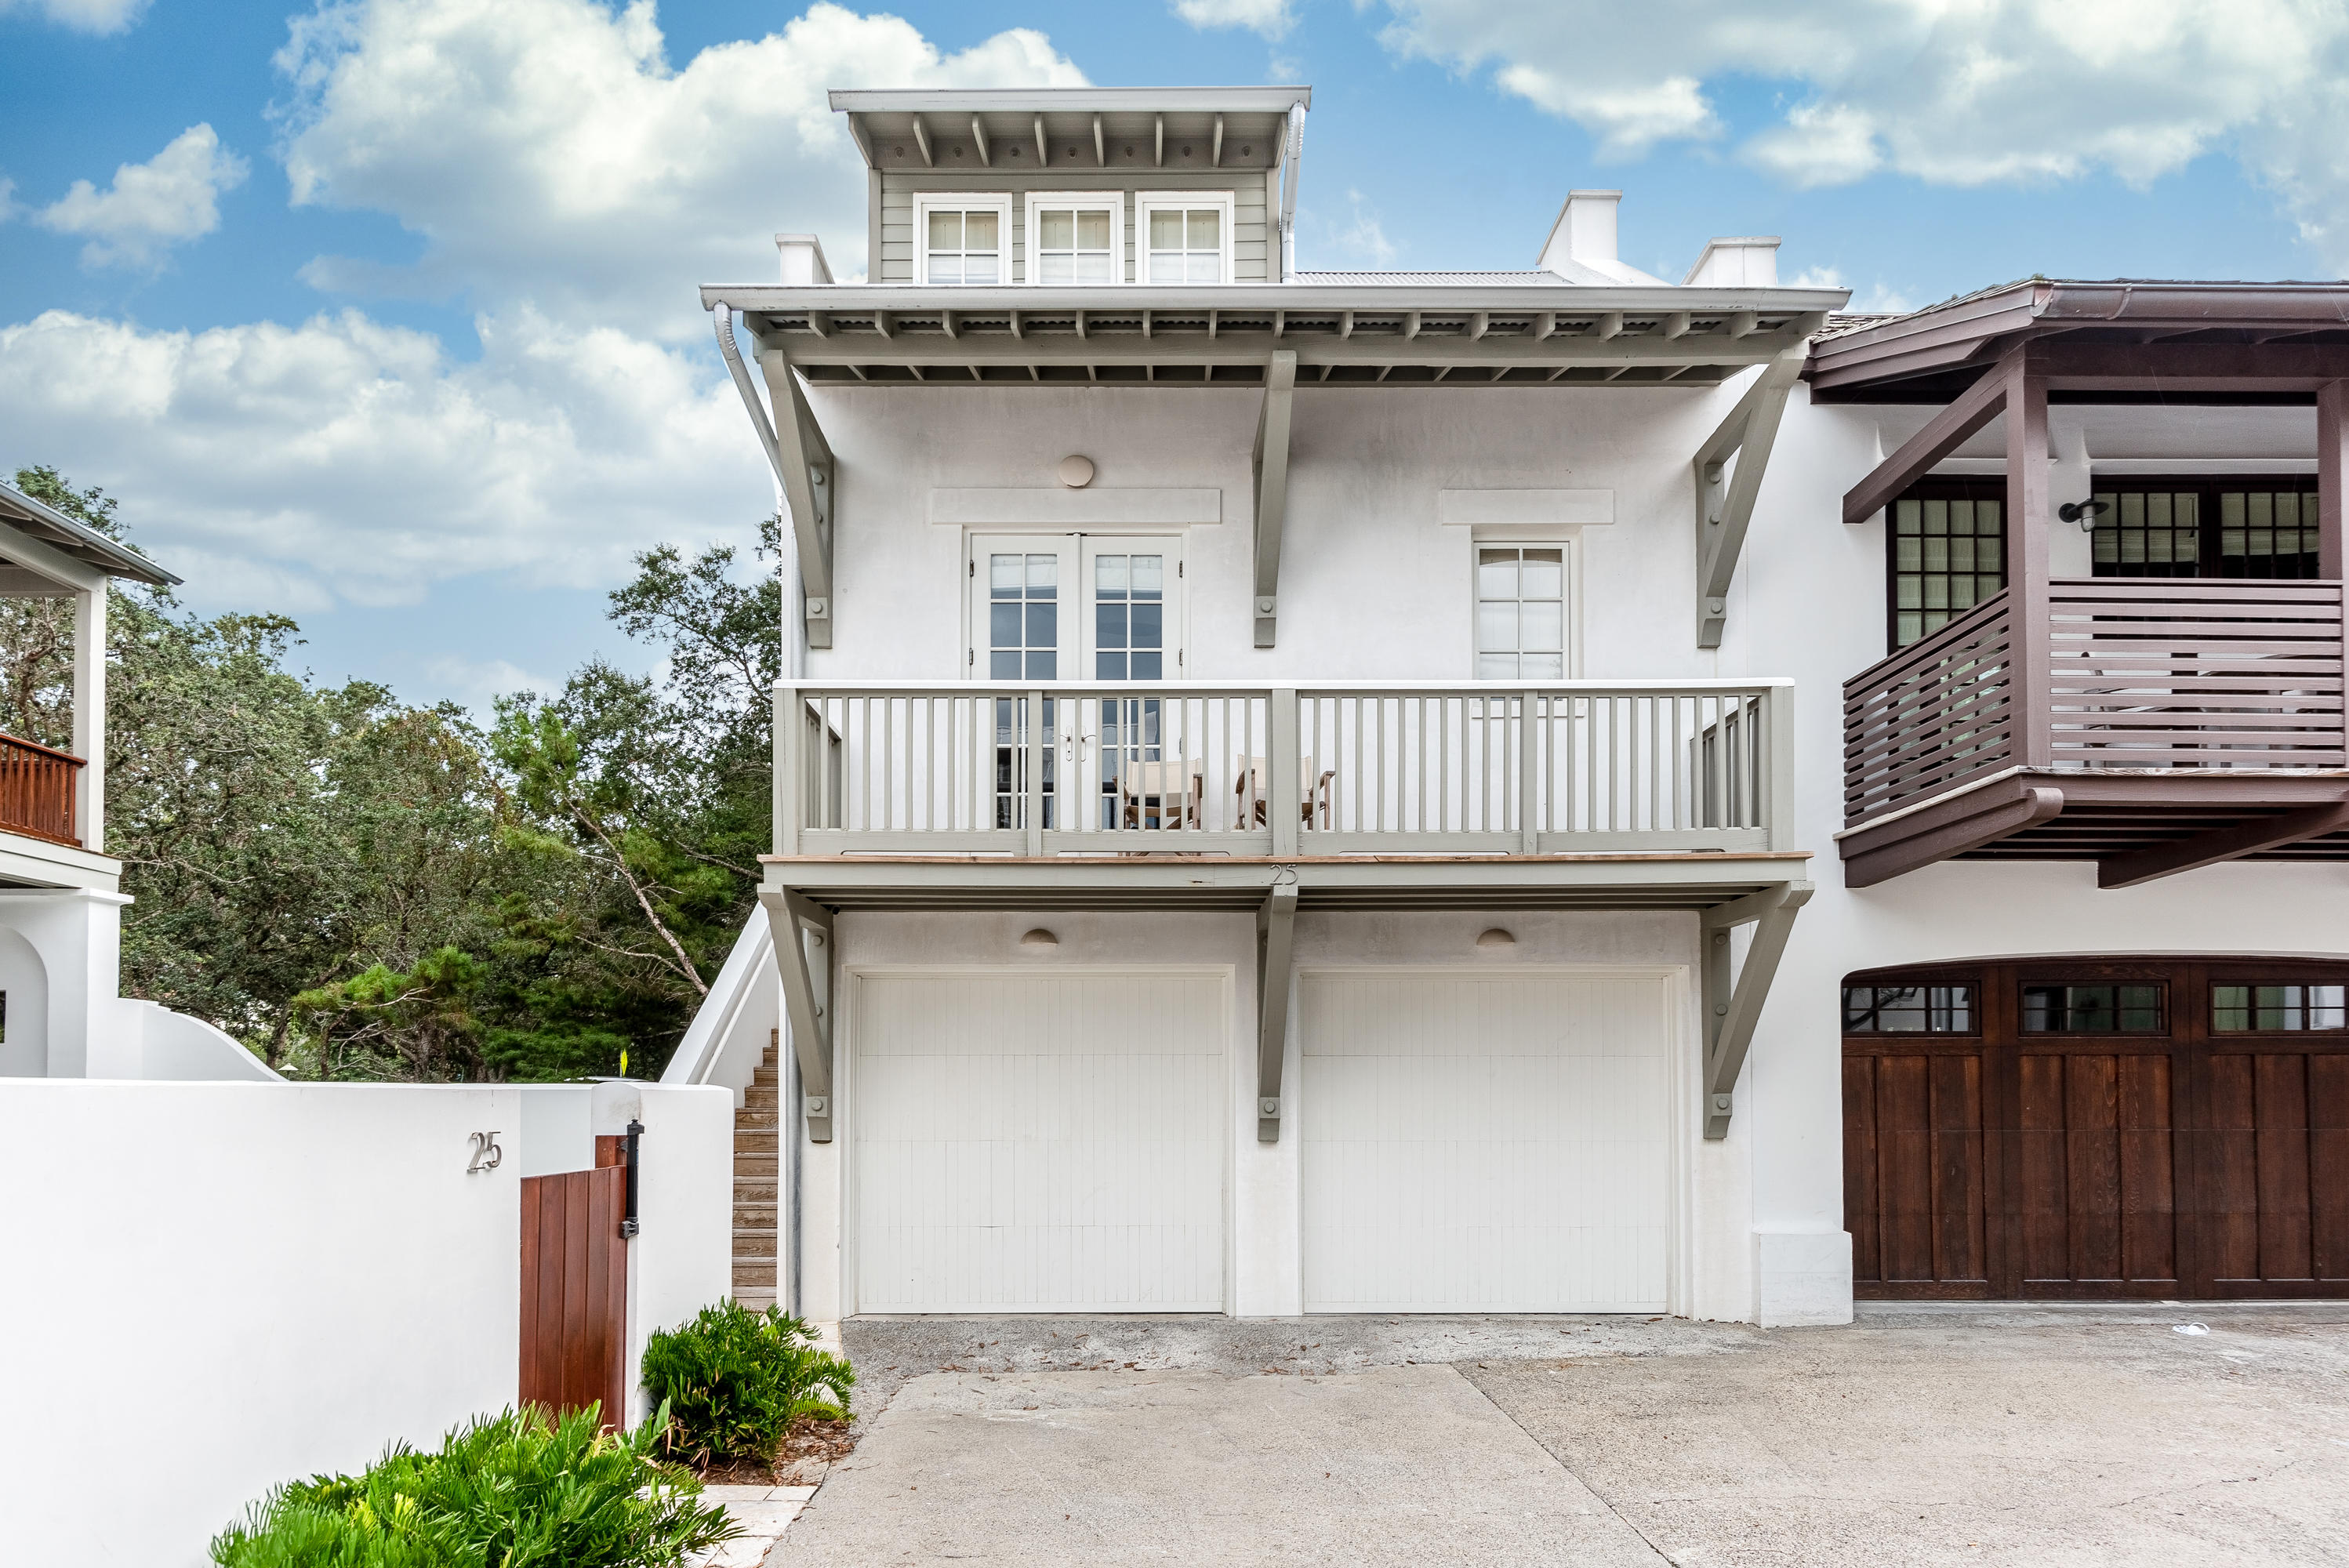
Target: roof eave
80,540
1071,100
1573,299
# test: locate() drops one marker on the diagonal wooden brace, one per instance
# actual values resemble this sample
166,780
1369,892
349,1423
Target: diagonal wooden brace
1731,1013
803,952
1725,495
1276,925
1270,462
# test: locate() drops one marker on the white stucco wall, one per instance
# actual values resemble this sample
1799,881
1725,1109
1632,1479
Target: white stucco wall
1374,586
261,1281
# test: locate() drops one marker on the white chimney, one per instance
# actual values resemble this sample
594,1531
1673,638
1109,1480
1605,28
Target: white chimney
1744,263
802,259
1582,244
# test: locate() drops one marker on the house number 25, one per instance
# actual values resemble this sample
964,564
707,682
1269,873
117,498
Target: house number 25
486,1153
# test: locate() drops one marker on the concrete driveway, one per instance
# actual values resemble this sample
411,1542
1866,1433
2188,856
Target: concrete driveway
1918,1436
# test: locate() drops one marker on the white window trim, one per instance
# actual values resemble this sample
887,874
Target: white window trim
996,202
1113,202
1144,202
1570,547
1077,548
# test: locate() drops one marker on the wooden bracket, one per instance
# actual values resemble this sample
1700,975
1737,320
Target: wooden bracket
1725,495
805,946
1270,462
1730,1012
1276,923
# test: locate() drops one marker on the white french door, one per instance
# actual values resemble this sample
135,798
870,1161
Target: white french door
1105,608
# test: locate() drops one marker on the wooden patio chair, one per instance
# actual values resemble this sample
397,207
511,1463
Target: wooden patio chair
1312,789
1159,795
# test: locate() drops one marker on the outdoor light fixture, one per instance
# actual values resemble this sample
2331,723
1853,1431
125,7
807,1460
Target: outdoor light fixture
1076,471
2083,513
1495,937
1040,937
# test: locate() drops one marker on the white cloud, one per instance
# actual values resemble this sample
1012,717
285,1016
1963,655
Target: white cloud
346,461
1876,299
1365,238
82,16
547,149
479,683
1972,93
171,199
1272,18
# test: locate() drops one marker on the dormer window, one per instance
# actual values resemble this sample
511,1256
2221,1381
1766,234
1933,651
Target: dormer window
1076,239
962,238
1188,236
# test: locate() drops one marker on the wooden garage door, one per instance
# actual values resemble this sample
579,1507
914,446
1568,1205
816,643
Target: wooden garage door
1486,1143
1037,1142
2046,1130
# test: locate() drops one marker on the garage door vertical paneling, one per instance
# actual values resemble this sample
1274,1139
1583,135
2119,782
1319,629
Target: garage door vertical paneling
1914,1179
1039,1142
1482,1143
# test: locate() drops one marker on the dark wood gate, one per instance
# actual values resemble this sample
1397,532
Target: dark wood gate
574,1287
1999,1144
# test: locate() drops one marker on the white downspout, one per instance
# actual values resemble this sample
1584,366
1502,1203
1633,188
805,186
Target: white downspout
1296,153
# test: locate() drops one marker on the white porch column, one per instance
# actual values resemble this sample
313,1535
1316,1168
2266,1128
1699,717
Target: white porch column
90,716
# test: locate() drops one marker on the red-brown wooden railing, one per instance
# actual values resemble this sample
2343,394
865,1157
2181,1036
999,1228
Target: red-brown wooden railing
2140,673
36,790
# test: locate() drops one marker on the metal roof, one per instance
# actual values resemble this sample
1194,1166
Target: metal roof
1070,130
79,540
1385,333
1927,354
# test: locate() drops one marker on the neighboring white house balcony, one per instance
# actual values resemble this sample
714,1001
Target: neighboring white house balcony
1072,768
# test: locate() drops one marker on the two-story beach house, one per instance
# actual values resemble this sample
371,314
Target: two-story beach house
1554,790
61,1011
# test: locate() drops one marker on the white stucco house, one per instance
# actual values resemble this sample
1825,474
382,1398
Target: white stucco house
62,1013
1553,791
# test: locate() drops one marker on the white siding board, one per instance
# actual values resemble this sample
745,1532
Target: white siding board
1484,1143
1039,1142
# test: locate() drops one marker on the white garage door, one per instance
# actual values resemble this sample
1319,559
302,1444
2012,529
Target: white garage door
1039,1142
1486,1143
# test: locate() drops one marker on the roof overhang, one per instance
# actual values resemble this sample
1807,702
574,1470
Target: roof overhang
2256,336
1226,334
76,540
1084,129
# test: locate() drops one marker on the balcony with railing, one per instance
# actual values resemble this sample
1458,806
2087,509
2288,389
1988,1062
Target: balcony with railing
1062,769
37,791
2148,724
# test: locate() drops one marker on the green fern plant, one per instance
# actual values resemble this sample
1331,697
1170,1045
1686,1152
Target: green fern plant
524,1489
734,1380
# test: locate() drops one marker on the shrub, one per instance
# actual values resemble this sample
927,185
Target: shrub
520,1490
734,1380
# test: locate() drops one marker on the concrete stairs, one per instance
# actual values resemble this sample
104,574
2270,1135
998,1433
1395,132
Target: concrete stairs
758,1127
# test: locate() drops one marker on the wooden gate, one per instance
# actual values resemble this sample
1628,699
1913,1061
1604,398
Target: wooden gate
574,1288
2196,1149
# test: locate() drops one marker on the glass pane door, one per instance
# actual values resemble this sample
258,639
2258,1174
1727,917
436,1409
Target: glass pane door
1132,582
1023,627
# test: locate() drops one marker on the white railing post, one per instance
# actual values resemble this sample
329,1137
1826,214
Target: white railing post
1282,784
1529,773
1778,764
1035,791
790,767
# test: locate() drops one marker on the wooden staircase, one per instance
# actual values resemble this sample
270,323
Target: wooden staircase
756,1149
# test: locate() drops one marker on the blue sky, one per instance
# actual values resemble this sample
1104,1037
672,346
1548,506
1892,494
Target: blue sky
388,321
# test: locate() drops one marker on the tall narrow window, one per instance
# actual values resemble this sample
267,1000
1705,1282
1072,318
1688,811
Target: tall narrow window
1023,617
962,246
1947,540
1072,243
1520,611
1129,617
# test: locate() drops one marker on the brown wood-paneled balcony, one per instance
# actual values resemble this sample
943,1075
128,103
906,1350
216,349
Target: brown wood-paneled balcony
2151,725
36,790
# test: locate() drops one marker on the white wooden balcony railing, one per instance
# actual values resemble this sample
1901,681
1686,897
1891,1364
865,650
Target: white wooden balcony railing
1075,767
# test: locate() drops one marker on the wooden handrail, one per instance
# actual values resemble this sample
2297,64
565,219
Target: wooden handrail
36,790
